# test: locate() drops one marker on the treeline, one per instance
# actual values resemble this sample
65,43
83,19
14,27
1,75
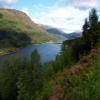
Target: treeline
21,79
10,38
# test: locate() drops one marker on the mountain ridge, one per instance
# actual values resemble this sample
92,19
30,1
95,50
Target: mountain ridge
58,32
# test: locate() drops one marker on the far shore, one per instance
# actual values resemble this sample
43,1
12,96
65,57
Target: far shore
7,51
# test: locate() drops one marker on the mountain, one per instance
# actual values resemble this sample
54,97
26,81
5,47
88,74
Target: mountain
72,35
14,21
57,33
62,35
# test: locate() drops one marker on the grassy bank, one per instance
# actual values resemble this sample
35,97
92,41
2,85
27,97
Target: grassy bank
5,51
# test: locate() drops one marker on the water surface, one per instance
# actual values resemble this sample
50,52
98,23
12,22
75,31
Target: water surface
47,52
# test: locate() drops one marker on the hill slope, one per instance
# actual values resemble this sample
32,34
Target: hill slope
57,33
19,22
81,80
62,35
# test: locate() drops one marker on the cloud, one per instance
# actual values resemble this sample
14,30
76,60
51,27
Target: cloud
26,10
67,18
67,15
83,4
8,1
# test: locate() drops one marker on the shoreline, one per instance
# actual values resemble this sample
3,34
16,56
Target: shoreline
8,51
49,43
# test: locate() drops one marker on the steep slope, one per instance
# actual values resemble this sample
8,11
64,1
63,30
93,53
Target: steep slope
17,21
62,35
57,33
81,81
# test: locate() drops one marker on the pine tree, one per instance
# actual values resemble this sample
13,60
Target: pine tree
90,29
85,32
93,18
37,67
93,23
35,59
26,85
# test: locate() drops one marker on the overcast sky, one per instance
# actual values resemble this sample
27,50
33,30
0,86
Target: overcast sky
67,15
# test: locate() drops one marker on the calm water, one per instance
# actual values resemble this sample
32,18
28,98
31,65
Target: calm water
47,52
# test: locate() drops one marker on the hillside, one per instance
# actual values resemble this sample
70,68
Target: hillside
62,35
72,35
57,33
19,22
81,79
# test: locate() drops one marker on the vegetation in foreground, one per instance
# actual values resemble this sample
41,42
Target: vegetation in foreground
82,84
69,77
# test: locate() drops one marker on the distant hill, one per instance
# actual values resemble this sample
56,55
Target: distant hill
72,35
57,33
18,22
62,35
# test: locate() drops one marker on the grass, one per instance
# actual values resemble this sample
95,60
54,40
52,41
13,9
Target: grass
5,51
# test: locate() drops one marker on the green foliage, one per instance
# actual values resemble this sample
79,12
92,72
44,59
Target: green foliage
73,50
21,79
45,91
91,30
85,86
81,46
35,59
27,79
8,83
85,32
26,85
13,39
93,18
30,80
8,79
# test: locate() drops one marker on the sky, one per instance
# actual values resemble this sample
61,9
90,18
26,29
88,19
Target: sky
67,15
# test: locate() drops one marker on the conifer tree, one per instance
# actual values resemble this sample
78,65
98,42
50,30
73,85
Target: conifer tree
85,31
90,29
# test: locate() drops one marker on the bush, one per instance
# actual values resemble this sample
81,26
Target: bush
85,86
